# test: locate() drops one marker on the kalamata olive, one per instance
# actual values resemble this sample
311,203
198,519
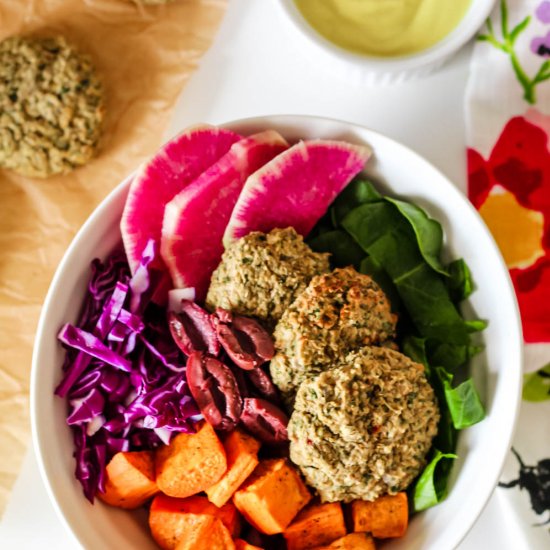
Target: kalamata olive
246,342
264,420
192,329
263,384
214,388
242,381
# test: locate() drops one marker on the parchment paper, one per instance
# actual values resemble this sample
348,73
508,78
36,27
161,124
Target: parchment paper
144,56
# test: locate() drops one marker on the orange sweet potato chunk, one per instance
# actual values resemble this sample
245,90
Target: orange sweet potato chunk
353,541
241,544
206,533
190,463
385,517
315,525
171,518
130,479
241,450
272,496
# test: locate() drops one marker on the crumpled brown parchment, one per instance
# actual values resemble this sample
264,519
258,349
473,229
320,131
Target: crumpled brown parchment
144,55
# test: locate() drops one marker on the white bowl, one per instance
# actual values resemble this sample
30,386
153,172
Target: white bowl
497,371
388,69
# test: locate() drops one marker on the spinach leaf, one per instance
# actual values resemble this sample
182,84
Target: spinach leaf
384,234
476,325
415,348
447,435
449,355
359,191
536,385
431,487
430,307
429,234
463,401
343,249
459,283
324,225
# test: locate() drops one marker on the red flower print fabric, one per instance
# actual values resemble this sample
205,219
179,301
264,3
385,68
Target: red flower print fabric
519,164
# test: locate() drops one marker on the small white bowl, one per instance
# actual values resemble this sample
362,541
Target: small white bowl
386,70
497,372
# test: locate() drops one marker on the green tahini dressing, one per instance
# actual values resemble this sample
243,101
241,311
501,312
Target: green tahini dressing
383,28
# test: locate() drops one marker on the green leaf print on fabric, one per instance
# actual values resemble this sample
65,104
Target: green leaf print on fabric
507,45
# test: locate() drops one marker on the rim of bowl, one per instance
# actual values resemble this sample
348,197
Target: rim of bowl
472,21
40,435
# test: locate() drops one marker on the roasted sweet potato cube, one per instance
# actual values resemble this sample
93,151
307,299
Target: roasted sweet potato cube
316,525
241,544
353,541
206,533
190,463
130,479
241,451
385,517
272,496
170,518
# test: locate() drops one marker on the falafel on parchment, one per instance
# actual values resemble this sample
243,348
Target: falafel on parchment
363,429
261,274
337,313
51,106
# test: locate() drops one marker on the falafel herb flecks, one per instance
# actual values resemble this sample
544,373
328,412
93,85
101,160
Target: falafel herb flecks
261,274
337,313
363,429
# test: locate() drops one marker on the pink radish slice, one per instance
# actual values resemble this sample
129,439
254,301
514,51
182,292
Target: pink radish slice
195,220
176,165
295,188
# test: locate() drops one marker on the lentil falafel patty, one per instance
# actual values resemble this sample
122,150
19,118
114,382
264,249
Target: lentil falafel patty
51,106
363,429
261,274
337,313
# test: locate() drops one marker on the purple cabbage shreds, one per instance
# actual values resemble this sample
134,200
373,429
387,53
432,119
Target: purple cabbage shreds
123,376
93,346
99,314
86,408
169,406
89,472
101,285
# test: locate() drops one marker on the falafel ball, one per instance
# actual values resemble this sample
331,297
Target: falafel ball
261,274
337,313
51,106
364,429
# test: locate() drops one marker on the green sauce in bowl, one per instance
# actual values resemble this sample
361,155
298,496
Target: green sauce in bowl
383,28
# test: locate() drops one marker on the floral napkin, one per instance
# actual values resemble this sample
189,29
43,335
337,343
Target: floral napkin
508,129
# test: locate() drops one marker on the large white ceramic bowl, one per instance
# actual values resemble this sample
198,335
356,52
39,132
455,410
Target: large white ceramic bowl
497,371
386,69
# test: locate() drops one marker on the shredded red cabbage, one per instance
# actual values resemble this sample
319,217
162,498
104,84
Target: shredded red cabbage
123,375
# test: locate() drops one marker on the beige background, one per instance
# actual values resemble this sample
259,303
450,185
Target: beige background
145,55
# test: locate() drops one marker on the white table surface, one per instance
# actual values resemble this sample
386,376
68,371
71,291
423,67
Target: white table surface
257,66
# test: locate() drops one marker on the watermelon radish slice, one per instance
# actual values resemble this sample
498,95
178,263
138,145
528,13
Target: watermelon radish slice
195,220
296,188
178,163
